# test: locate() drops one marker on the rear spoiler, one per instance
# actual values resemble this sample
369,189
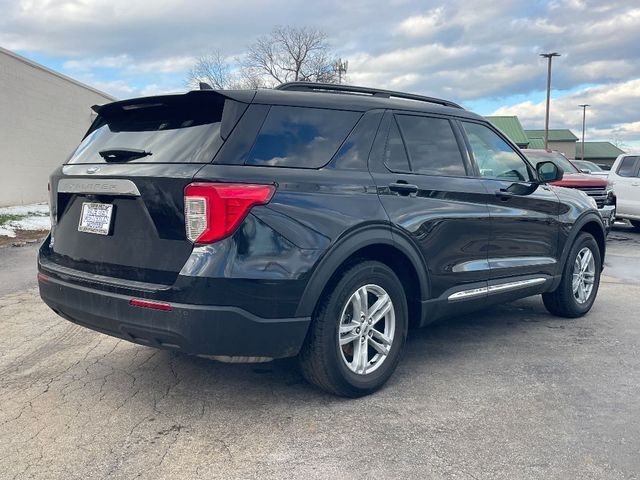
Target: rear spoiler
233,110
243,96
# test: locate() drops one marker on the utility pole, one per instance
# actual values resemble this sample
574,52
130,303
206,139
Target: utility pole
548,56
341,67
584,117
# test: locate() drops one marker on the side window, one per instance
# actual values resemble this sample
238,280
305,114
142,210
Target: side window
627,167
395,155
495,158
301,137
431,145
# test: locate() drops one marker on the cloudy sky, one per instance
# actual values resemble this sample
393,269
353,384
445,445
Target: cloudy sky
482,53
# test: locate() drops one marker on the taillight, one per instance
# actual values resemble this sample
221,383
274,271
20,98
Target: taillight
213,211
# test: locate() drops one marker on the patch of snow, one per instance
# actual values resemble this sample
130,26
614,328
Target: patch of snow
35,208
34,217
6,232
32,223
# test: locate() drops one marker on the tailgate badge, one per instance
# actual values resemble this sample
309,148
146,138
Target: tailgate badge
91,170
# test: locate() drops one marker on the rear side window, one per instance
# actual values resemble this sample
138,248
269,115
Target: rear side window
395,155
301,137
627,167
431,145
167,130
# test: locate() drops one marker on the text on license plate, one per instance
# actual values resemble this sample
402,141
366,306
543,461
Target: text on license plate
95,218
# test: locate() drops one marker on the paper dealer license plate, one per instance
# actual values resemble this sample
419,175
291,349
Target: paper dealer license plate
95,218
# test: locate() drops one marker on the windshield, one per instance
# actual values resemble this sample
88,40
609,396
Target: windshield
557,158
588,165
177,131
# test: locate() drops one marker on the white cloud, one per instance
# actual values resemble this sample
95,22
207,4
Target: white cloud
131,65
422,25
86,64
457,49
117,88
155,89
613,113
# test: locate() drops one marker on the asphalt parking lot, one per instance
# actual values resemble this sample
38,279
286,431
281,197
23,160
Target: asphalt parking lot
510,392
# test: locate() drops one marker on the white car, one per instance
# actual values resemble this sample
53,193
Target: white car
624,177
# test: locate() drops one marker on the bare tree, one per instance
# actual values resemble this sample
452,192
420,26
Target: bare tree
211,69
616,141
286,54
291,54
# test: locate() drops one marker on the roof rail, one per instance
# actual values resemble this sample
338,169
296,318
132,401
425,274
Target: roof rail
375,92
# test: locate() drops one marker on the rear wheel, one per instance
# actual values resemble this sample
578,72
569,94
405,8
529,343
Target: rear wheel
636,224
580,280
358,332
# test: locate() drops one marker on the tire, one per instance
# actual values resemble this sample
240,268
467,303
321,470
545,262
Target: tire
564,301
334,367
635,224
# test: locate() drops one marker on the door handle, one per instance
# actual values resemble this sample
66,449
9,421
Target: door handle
504,194
403,188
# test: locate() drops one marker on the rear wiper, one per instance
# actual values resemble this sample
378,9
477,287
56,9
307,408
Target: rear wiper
123,154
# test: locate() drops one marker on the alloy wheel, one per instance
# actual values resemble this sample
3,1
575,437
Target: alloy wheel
584,274
367,329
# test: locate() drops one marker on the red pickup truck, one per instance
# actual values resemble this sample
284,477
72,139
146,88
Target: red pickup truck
596,187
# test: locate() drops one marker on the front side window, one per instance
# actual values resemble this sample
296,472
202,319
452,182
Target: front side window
627,167
495,158
432,145
301,137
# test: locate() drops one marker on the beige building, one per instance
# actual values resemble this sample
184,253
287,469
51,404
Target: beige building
43,115
561,140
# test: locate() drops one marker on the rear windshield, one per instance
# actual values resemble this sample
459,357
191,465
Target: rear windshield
301,137
171,130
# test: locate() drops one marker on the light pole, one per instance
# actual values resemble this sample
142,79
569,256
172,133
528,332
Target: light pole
548,56
584,117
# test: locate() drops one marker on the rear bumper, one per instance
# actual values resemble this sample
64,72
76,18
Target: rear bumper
195,329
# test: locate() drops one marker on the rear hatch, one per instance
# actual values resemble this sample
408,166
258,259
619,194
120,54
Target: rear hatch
118,204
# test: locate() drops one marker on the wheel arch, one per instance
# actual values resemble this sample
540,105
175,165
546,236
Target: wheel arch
378,244
590,223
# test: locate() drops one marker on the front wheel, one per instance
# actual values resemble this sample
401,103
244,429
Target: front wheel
636,224
358,332
580,280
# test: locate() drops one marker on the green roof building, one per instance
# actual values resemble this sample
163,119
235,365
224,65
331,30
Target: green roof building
555,135
600,153
511,127
561,139
536,143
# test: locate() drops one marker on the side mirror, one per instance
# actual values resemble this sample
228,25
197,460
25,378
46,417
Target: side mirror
549,172
585,170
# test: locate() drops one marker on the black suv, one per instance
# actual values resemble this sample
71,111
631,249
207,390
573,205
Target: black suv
313,220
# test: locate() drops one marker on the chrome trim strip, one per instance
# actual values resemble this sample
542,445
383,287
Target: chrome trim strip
508,262
515,285
116,186
511,262
471,266
477,292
